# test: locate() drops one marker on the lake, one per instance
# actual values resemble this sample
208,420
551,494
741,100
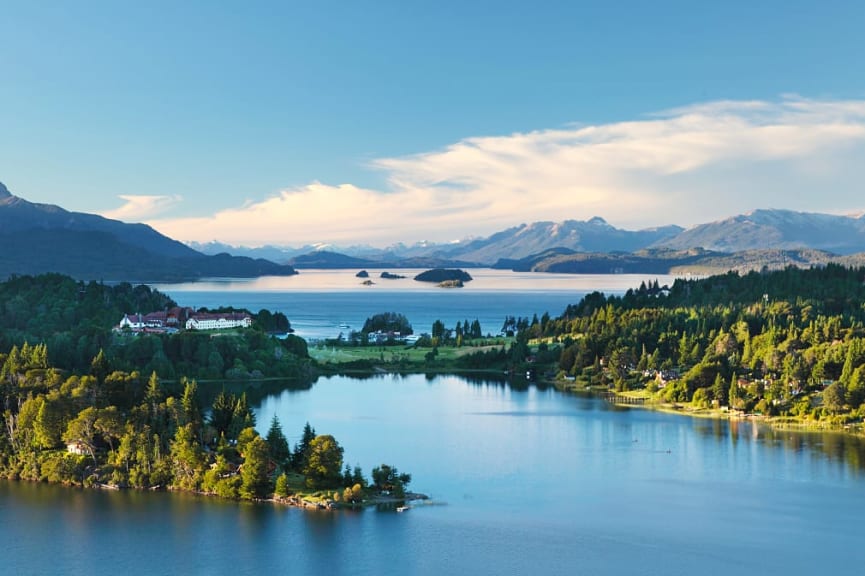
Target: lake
523,479
317,302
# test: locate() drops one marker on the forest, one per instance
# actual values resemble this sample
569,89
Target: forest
783,343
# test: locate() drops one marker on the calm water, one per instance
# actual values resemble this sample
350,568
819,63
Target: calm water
526,481
317,302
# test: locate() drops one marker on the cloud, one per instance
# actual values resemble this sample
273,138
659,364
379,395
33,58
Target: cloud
682,166
137,208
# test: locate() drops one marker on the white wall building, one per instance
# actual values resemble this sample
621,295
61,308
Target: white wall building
218,321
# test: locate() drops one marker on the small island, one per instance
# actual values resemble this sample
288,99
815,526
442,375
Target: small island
362,274
441,275
389,276
451,284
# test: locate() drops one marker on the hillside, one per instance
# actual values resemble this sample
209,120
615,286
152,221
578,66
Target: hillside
39,238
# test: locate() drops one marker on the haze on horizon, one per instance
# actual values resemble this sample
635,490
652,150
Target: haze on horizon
381,123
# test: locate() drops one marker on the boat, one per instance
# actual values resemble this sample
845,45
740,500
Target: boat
344,325
402,508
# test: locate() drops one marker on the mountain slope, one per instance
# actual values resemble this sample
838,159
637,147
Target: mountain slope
594,235
775,229
40,238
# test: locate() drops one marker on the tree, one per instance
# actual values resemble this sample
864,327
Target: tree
99,366
241,417
720,390
221,412
277,442
153,393
325,462
82,430
187,458
281,489
301,449
246,436
110,425
438,329
256,483
191,412
834,397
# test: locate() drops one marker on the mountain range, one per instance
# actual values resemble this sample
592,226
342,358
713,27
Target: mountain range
772,238
46,238
39,238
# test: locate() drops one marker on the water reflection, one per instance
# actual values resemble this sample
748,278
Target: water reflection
845,450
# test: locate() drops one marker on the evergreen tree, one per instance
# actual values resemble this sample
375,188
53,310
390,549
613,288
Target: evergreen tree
301,449
277,442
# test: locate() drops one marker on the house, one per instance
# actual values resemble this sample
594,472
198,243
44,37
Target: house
77,447
132,322
665,376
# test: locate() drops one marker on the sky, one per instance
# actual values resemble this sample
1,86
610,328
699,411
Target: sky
291,123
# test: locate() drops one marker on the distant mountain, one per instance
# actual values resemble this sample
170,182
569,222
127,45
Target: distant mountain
38,238
330,260
278,254
324,259
594,235
775,229
764,236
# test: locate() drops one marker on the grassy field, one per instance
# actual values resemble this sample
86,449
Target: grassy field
391,354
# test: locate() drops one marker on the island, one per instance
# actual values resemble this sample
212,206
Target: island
440,275
362,274
389,276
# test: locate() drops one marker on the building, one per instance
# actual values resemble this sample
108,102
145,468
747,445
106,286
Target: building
179,318
224,321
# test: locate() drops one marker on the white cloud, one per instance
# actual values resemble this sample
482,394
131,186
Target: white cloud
681,166
137,208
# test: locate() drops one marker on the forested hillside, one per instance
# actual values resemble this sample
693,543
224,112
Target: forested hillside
787,342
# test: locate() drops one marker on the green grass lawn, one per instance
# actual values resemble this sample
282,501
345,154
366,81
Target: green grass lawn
388,354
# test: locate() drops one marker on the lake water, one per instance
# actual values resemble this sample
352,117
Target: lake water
317,302
524,480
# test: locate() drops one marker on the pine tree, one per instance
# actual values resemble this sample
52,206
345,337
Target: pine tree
301,450
277,442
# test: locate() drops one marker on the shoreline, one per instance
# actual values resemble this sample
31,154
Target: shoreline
775,422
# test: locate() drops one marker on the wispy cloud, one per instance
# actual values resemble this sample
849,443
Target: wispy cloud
682,166
137,208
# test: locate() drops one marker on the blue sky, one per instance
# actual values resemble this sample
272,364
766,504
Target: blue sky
288,123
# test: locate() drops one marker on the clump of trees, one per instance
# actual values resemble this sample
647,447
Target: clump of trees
387,322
